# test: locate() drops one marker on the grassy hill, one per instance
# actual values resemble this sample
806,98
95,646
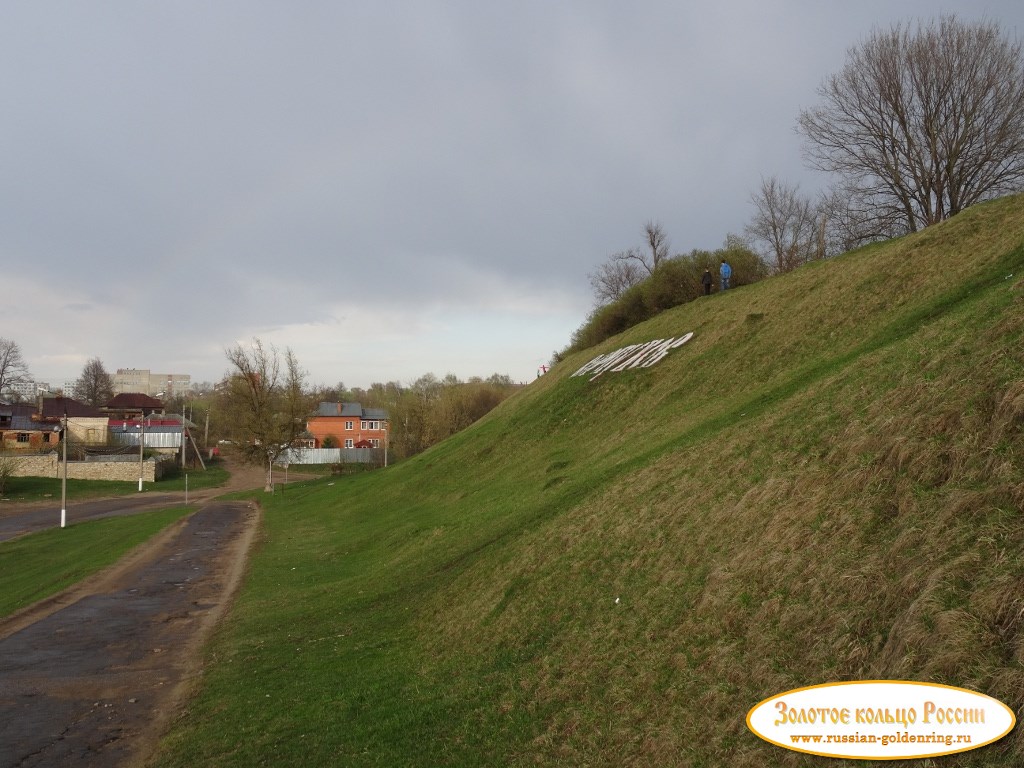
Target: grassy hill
824,484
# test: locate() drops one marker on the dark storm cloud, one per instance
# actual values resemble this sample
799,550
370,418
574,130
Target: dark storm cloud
389,188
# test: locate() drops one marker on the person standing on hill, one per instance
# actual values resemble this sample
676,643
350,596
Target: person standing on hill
725,272
705,280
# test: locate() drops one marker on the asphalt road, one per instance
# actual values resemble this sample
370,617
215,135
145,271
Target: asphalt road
17,520
91,677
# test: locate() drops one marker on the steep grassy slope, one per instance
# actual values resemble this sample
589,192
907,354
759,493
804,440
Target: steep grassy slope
825,484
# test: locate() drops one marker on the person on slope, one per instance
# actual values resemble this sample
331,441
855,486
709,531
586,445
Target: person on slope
725,272
705,280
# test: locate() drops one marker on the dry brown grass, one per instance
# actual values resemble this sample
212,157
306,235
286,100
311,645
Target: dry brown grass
861,530
825,484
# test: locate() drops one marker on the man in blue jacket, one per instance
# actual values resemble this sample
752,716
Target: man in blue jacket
725,272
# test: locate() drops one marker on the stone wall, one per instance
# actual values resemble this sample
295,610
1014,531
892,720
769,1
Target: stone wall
33,466
48,466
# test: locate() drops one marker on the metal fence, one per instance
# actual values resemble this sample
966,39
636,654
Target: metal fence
153,439
331,456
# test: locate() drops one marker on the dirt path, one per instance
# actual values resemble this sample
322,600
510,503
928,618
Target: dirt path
91,676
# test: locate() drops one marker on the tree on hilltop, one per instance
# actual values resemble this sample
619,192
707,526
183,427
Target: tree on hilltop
785,226
627,268
615,276
920,124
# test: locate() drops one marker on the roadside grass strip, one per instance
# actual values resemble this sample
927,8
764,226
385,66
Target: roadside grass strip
23,489
41,564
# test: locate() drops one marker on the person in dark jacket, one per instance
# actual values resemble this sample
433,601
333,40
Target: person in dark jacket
705,280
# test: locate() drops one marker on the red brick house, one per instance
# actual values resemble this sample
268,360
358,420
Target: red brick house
348,425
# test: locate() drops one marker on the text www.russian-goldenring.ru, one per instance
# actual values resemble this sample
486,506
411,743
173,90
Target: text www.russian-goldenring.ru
884,740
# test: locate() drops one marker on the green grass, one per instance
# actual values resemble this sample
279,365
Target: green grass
213,476
314,469
824,484
41,564
41,488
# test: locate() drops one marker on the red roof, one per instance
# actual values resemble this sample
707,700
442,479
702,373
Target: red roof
131,400
53,408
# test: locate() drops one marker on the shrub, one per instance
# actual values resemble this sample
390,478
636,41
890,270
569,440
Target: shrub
6,472
676,281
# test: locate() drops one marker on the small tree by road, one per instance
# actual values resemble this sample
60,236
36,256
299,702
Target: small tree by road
7,468
267,398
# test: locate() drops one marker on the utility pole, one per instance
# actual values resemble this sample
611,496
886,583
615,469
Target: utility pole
142,445
64,481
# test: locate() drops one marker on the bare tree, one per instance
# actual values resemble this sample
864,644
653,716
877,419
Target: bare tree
270,404
13,369
785,225
95,386
852,219
616,276
626,268
922,124
657,242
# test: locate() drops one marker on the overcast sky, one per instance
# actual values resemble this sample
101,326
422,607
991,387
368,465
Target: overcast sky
388,188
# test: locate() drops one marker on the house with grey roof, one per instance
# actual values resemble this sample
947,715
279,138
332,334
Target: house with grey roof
348,425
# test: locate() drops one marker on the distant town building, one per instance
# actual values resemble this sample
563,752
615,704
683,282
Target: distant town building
25,391
149,383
